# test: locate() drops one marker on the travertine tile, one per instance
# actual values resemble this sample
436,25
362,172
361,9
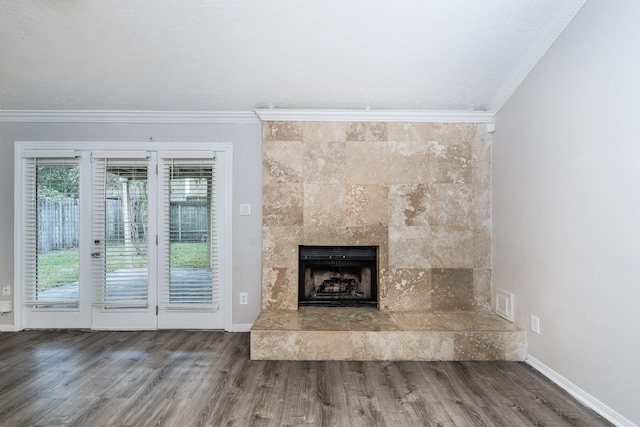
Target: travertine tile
362,131
481,159
482,289
324,236
445,131
372,320
409,163
282,162
407,290
479,346
324,205
473,321
367,162
451,161
368,236
319,345
279,288
324,162
402,346
375,335
278,320
280,246
409,205
367,205
399,131
275,345
283,204
451,206
409,247
282,131
452,289
315,133
420,321
515,345
482,247
450,247
321,319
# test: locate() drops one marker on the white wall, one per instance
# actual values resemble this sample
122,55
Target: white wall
247,188
566,183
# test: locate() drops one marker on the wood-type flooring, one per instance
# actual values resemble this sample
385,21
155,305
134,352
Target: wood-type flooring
205,378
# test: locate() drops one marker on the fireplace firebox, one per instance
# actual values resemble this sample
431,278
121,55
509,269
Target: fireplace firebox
338,276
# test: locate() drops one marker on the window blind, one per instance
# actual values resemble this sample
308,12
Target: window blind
189,253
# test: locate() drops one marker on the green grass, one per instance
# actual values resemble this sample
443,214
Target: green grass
60,267
189,255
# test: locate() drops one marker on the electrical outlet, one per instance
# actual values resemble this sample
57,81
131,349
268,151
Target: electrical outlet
244,298
6,290
535,324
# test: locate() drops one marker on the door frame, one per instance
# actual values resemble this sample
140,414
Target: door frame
225,227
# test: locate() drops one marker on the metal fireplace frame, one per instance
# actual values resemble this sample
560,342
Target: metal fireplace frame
335,256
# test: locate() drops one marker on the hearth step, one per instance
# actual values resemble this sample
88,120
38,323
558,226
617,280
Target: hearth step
345,333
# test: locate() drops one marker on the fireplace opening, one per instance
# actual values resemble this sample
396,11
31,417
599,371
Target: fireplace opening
338,276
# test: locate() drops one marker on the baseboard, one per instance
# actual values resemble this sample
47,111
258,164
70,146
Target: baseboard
579,394
6,327
241,327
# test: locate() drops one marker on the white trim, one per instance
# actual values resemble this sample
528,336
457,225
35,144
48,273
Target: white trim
244,117
187,155
125,116
531,59
241,327
7,327
225,235
120,154
579,394
403,116
51,154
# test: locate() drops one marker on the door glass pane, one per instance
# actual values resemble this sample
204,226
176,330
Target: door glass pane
126,235
190,235
57,231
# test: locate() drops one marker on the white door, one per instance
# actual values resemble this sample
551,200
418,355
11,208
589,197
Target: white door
50,213
190,201
123,247
150,246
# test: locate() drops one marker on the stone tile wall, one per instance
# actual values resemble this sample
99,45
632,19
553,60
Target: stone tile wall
419,191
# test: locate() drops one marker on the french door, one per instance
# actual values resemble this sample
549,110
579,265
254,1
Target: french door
123,238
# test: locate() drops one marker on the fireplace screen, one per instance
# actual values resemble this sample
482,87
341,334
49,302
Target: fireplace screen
338,276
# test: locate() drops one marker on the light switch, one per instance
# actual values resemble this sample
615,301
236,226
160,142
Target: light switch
245,209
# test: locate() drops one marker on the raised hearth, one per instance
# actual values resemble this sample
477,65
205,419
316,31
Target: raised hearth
345,333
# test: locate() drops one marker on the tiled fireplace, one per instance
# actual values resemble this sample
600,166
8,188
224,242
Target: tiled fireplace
420,193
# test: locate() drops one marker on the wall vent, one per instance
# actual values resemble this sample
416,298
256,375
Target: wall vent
504,304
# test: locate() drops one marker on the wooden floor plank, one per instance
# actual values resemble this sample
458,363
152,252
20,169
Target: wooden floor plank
205,378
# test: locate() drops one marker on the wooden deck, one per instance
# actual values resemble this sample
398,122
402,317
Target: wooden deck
186,284
203,378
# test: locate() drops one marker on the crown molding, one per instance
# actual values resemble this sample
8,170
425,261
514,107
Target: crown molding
243,117
124,116
530,60
434,116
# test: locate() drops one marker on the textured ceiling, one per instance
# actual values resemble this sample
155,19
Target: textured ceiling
238,55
